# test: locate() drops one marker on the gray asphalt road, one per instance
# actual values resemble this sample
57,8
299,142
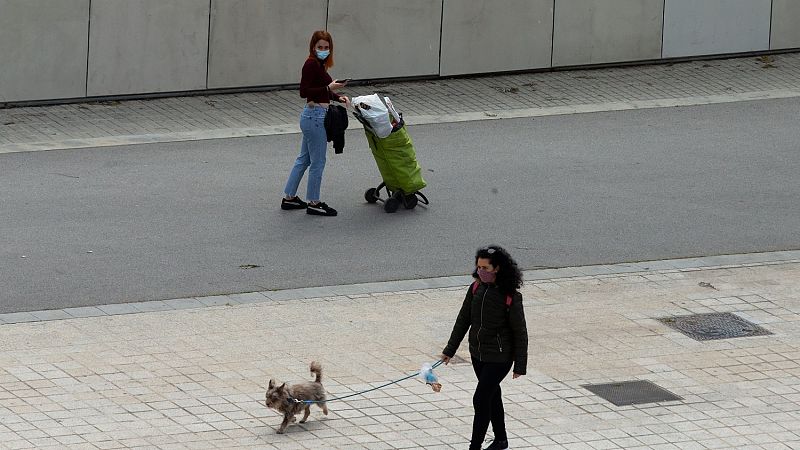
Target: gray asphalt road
149,222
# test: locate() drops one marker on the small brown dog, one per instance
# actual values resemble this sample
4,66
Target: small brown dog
282,398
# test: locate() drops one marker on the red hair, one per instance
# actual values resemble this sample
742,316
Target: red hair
321,35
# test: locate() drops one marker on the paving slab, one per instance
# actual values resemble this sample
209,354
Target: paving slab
85,311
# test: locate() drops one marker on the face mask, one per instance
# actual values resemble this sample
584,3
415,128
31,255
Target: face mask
322,54
486,276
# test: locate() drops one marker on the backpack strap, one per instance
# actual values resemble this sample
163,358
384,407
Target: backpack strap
509,298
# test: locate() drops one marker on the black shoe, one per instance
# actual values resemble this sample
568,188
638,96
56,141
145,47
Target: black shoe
320,209
294,203
498,445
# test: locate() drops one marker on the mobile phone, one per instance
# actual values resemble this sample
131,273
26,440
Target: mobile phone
346,80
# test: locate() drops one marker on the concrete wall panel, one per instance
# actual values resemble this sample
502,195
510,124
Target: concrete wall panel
72,48
495,35
608,31
711,27
261,42
141,46
385,38
785,24
43,49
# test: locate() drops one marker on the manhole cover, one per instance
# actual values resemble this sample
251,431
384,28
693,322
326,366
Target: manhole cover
706,327
632,392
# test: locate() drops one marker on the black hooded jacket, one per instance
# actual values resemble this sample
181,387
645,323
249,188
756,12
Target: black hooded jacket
497,332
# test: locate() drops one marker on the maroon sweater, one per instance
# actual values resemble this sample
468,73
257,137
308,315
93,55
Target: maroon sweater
314,83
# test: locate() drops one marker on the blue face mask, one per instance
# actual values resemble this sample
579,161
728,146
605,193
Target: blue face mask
323,54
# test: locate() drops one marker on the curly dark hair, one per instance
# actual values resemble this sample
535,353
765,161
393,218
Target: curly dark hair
509,277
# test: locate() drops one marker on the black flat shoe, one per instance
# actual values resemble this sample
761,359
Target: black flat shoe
294,203
320,209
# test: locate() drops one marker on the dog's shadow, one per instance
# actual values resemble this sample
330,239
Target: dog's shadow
268,433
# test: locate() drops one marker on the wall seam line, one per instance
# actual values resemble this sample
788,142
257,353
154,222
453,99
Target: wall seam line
208,42
88,48
663,23
771,17
441,37
553,35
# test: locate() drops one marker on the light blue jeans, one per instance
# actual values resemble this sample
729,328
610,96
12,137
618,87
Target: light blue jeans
312,153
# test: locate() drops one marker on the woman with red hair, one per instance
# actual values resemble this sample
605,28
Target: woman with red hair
318,88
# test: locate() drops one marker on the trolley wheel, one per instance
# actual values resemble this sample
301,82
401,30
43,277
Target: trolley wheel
410,201
391,205
371,196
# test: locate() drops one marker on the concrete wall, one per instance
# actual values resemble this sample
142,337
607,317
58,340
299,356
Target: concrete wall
261,42
495,35
138,46
385,38
711,27
606,31
785,24
43,49
60,49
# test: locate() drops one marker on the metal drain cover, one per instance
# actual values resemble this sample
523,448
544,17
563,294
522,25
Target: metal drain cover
706,327
632,392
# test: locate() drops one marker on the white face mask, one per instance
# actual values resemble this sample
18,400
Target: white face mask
323,54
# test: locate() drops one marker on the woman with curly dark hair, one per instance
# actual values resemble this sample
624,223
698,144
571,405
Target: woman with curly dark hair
492,312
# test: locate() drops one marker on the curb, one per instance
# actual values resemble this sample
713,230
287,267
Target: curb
367,289
432,119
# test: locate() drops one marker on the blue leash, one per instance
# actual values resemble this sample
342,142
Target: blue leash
308,402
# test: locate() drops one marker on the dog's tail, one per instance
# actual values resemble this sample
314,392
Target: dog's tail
316,369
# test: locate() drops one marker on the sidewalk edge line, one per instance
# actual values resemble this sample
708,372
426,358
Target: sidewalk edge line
358,290
429,119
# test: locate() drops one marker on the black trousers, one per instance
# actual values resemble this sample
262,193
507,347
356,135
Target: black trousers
488,402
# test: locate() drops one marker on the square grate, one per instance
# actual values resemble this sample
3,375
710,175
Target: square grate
710,326
632,392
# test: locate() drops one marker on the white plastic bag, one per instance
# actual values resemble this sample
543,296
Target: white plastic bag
375,112
392,110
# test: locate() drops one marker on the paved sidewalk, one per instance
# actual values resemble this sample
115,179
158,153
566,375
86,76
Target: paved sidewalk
423,102
191,378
